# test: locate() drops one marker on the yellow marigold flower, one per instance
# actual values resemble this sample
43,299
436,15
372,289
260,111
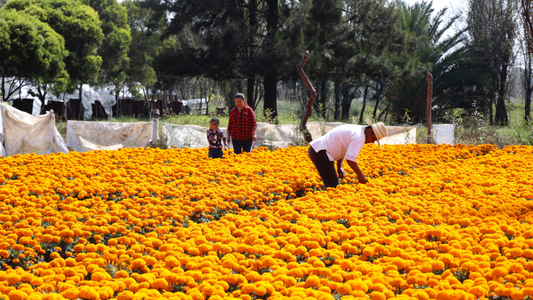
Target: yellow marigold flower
99,276
248,288
88,292
13,278
375,295
138,263
420,295
159,283
78,248
71,293
478,291
125,295
344,289
499,272
312,281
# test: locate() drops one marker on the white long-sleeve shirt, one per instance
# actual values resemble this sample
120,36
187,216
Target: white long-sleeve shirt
345,141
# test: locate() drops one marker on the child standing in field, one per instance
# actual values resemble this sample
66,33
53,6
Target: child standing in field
215,138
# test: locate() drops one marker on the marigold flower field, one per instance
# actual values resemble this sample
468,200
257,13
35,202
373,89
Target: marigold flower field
433,222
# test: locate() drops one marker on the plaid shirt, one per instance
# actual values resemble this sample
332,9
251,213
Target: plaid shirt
215,138
241,123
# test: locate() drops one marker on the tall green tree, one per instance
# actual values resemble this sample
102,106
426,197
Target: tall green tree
232,40
30,49
322,36
146,44
526,14
407,95
492,28
528,84
116,42
368,47
79,25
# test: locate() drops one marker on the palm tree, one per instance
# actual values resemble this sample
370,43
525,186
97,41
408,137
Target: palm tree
408,94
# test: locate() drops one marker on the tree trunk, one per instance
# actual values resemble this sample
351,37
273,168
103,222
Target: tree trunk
270,104
346,104
337,113
250,92
528,88
2,90
207,99
527,109
381,114
81,104
271,75
252,4
378,96
491,119
501,117
42,91
362,114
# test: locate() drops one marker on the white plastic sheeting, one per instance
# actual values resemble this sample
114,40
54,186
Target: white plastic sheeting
25,92
88,97
22,133
185,136
194,105
443,133
399,135
86,136
280,136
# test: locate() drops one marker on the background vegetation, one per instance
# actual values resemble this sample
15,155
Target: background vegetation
368,58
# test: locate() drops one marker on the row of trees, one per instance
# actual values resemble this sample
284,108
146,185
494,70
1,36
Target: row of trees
377,50
59,45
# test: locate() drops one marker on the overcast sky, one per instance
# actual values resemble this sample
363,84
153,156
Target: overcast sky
453,5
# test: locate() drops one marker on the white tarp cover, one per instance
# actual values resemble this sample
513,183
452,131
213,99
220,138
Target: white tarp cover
86,136
281,136
88,96
23,133
399,135
24,93
443,133
194,105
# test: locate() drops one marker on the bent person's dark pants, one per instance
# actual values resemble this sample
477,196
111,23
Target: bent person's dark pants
242,146
325,167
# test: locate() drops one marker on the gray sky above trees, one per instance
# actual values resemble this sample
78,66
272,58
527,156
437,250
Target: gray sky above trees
453,5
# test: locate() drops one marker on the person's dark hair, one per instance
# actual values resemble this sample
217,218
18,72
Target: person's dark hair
214,120
239,95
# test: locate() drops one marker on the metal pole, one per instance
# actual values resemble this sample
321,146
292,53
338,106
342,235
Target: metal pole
428,109
155,117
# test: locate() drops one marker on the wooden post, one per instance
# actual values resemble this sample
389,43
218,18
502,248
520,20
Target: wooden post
155,117
312,92
428,109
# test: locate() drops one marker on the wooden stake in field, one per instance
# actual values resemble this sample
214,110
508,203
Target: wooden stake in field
428,109
309,108
155,126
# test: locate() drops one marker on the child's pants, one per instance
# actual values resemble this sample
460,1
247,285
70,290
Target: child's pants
215,152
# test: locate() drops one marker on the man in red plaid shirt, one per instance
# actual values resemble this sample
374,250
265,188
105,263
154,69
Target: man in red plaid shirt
242,126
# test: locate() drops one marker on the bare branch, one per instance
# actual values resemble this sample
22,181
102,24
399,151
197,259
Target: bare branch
311,101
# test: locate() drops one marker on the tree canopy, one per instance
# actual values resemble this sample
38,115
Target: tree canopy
30,49
375,50
79,26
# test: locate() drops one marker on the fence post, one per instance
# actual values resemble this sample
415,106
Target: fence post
428,109
155,118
